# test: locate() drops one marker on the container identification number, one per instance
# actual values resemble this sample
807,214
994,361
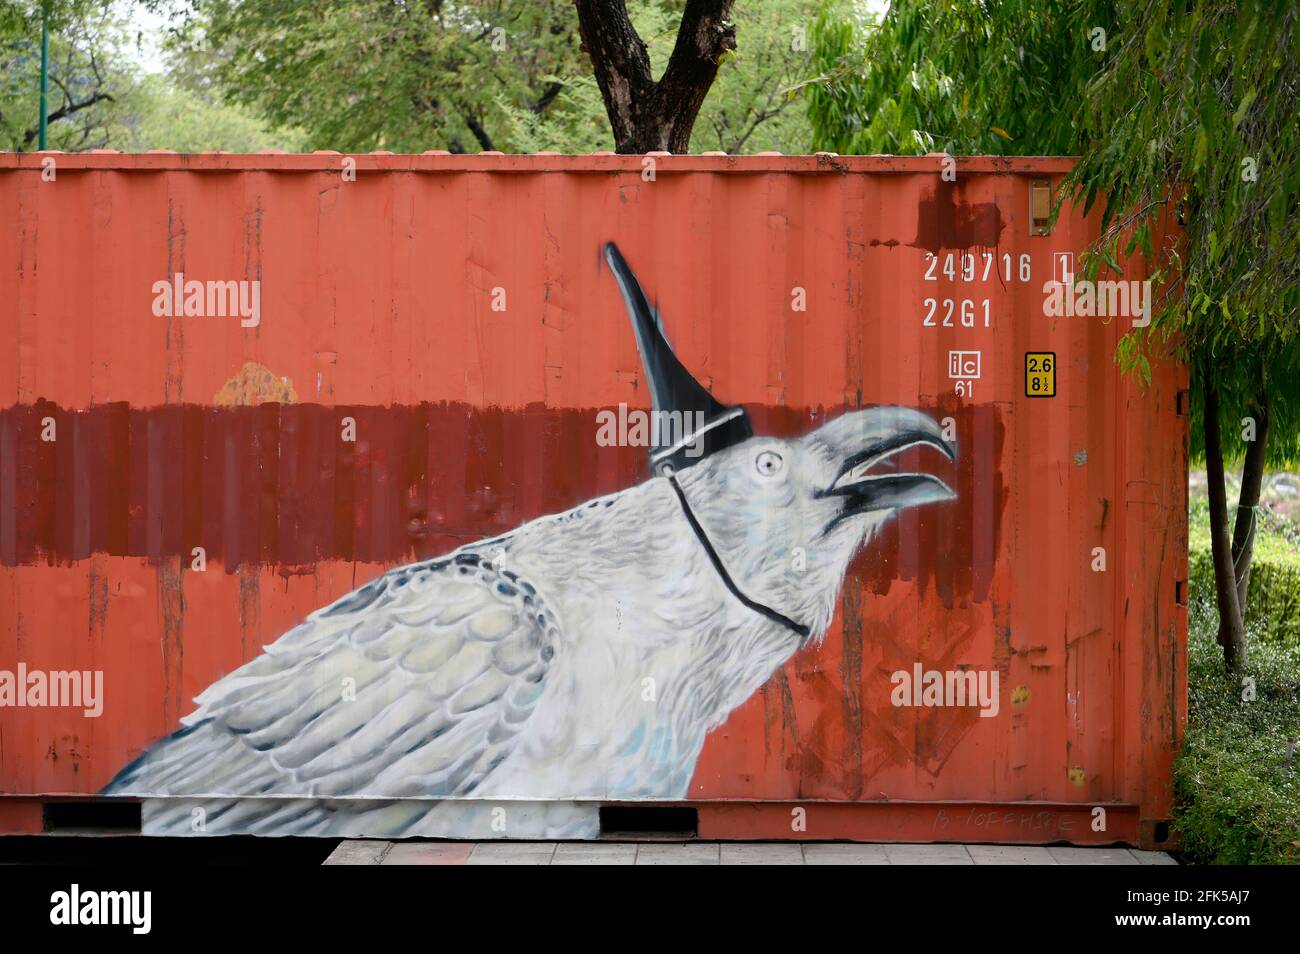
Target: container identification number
966,266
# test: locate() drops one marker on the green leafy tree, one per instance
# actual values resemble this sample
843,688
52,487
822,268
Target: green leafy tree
158,114
373,74
86,73
461,75
99,98
1164,102
1201,105
748,99
996,78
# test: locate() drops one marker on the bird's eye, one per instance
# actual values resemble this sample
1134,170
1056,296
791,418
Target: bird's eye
769,463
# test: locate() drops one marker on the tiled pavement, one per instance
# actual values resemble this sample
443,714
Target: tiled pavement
727,853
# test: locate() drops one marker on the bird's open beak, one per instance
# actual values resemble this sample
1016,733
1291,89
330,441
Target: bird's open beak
870,439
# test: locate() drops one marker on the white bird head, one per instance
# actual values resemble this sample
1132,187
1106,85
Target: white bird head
787,516
782,518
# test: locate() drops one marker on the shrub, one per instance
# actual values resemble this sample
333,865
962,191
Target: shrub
1273,606
1238,797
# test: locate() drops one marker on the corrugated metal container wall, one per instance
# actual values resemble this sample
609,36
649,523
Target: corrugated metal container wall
178,491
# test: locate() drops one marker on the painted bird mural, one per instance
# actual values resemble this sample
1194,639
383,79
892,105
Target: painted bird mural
507,688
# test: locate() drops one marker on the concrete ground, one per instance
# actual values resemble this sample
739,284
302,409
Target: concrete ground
361,852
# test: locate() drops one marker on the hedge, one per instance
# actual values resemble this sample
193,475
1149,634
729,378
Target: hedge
1237,794
1273,606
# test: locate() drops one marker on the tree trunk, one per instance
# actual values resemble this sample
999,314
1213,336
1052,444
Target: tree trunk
1232,631
1243,532
647,116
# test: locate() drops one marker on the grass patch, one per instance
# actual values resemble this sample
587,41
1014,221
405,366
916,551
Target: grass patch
1238,799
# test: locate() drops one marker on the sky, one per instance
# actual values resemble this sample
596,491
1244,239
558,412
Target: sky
150,28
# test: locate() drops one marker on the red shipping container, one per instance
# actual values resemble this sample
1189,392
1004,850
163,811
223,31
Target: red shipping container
244,392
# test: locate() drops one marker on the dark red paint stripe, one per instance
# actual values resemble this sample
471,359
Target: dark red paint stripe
275,485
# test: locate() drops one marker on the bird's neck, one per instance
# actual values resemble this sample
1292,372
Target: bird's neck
656,650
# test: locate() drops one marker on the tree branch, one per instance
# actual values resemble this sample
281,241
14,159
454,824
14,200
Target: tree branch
67,109
552,91
645,115
705,35
481,134
621,63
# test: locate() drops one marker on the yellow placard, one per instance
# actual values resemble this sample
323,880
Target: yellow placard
1040,374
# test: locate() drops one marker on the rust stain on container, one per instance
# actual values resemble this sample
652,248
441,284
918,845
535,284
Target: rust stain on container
945,219
424,373
255,384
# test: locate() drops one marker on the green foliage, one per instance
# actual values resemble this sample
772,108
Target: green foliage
1169,111
754,104
1202,103
159,115
1238,799
25,16
84,65
1274,597
575,121
373,74
950,76
465,76
89,45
